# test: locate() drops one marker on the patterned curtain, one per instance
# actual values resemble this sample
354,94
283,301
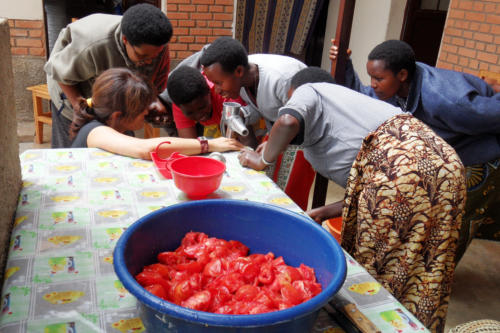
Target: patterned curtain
279,26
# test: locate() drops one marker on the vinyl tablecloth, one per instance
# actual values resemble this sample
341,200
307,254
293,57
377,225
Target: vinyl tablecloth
73,207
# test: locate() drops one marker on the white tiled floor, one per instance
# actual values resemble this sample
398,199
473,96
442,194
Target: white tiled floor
476,289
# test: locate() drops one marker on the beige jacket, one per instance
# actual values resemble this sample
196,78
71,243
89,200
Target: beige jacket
83,50
88,47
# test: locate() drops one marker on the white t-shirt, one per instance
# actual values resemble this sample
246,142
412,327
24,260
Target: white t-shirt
275,74
336,120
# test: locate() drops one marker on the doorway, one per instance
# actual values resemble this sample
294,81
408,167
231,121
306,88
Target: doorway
423,28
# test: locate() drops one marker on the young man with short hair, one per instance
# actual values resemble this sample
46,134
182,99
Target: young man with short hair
93,44
262,80
195,101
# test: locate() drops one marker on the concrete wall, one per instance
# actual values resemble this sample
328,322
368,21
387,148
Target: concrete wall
10,169
28,71
373,23
27,42
27,46
22,9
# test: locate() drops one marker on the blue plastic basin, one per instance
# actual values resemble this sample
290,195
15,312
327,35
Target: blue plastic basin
262,228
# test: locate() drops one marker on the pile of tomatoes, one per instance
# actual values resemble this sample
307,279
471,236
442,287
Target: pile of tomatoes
215,275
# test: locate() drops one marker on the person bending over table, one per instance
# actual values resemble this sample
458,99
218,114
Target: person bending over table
461,108
405,186
120,100
262,80
89,46
195,101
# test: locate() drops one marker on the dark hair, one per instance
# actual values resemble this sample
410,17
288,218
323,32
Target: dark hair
116,89
397,55
226,51
311,75
185,84
146,24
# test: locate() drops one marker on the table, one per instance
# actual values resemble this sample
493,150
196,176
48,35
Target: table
75,204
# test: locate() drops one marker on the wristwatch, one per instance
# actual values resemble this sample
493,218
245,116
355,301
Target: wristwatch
204,144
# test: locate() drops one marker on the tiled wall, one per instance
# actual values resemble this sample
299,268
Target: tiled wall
471,38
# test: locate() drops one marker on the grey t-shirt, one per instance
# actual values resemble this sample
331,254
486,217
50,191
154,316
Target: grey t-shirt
275,74
336,120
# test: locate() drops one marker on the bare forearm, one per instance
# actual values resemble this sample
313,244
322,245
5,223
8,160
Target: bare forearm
283,131
106,138
326,212
180,145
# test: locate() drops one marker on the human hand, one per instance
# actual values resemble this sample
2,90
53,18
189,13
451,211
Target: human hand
158,115
260,148
251,159
326,212
317,214
80,107
334,51
222,144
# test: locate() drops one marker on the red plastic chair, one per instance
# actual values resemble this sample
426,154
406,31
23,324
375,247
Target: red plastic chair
294,175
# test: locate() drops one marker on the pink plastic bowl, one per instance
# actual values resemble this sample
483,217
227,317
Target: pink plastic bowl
197,176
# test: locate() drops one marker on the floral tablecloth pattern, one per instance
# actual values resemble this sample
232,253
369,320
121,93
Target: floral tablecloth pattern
73,207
